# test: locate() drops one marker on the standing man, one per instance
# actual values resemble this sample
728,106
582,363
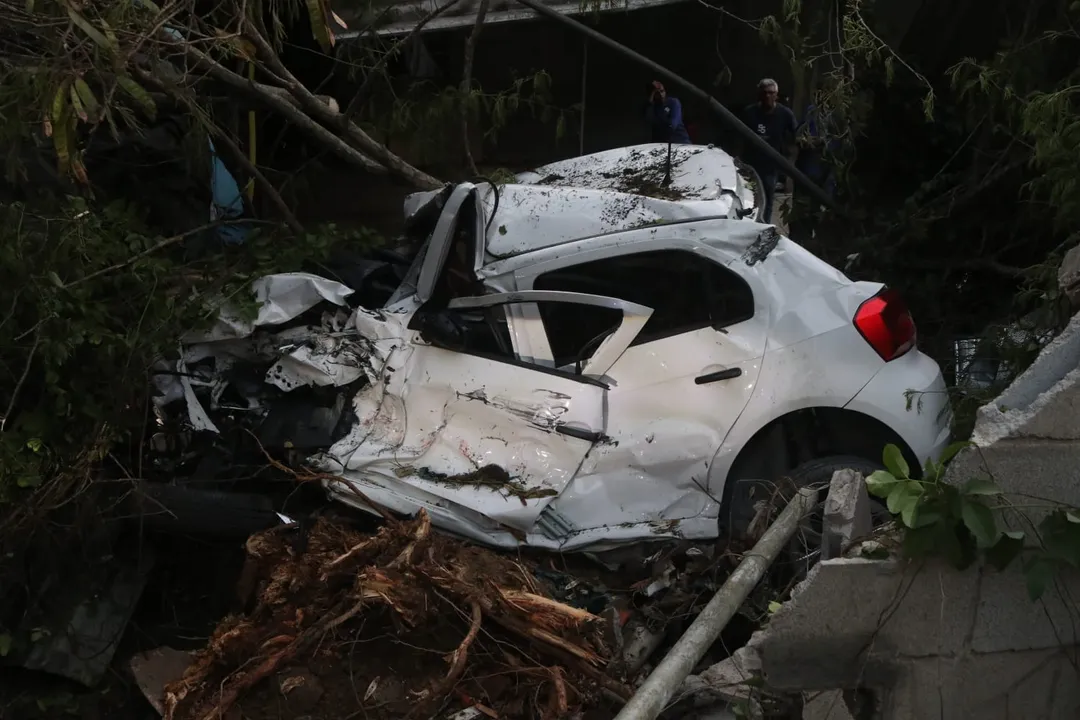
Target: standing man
775,124
664,115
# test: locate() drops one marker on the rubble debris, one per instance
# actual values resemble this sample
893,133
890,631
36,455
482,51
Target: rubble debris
654,693
454,625
154,669
83,619
847,513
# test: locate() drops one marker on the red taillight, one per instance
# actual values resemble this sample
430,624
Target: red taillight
885,323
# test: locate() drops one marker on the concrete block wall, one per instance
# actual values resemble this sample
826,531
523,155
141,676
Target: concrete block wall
1028,438
930,642
934,643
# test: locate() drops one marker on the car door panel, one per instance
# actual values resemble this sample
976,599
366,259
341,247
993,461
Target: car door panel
483,433
665,425
495,435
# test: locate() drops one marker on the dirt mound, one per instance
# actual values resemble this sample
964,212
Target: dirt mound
403,623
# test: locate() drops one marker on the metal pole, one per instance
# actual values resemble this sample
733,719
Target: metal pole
654,694
724,114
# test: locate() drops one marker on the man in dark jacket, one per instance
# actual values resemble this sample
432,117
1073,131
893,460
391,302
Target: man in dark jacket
775,124
664,115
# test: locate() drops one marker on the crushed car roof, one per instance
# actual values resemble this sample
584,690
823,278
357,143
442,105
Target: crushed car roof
612,191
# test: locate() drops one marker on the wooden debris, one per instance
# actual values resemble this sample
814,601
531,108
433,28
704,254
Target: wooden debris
375,607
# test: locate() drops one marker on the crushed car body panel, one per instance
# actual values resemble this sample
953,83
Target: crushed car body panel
698,172
612,191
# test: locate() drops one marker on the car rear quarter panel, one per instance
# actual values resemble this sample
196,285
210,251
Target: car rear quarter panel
909,395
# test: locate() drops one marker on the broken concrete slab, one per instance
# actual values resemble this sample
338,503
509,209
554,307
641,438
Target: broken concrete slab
847,513
732,680
1044,469
828,705
913,633
1039,685
1043,402
1069,276
154,669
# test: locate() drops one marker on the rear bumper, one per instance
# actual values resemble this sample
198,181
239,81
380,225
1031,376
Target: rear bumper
909,395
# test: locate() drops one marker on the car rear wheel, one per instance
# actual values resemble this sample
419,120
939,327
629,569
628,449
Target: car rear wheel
804,550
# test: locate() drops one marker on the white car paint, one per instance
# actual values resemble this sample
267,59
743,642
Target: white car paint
513,451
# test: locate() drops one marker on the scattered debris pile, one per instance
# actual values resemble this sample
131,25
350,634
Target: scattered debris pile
402,623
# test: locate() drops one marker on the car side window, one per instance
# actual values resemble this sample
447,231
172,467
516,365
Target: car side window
485,332
477,331
686,292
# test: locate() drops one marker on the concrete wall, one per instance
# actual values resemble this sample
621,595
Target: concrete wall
1028,438
929,642
932,643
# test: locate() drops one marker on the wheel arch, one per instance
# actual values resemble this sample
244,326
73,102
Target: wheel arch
787,441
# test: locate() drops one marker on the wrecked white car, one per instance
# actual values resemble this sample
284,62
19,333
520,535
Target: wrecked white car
573,363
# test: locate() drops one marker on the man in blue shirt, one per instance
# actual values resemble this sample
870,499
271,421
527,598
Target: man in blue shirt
775,124
664,115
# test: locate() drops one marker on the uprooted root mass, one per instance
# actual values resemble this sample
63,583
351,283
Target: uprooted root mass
404,623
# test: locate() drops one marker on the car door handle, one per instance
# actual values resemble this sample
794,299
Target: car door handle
729,374
588,435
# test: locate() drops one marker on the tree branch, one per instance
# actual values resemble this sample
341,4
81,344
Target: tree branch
354,104
274,98
328,115
466,82
22,378
233,149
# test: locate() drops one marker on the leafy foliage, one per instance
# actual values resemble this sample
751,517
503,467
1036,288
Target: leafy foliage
91,299
962,523
428,113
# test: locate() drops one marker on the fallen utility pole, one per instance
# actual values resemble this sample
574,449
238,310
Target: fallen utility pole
722,112
653,695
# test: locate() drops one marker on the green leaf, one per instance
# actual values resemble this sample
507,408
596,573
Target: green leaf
773,606
895,462
87,98
5,644
55,279
910,510
320,26
900,494
979,519
138,94
880,483
980,486
29,481
1039,574
925,516
1006,549
92,32
950,452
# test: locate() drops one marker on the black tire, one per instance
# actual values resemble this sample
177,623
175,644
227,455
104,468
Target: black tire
804,550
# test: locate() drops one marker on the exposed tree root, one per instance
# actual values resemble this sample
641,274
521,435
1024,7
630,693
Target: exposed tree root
383,610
